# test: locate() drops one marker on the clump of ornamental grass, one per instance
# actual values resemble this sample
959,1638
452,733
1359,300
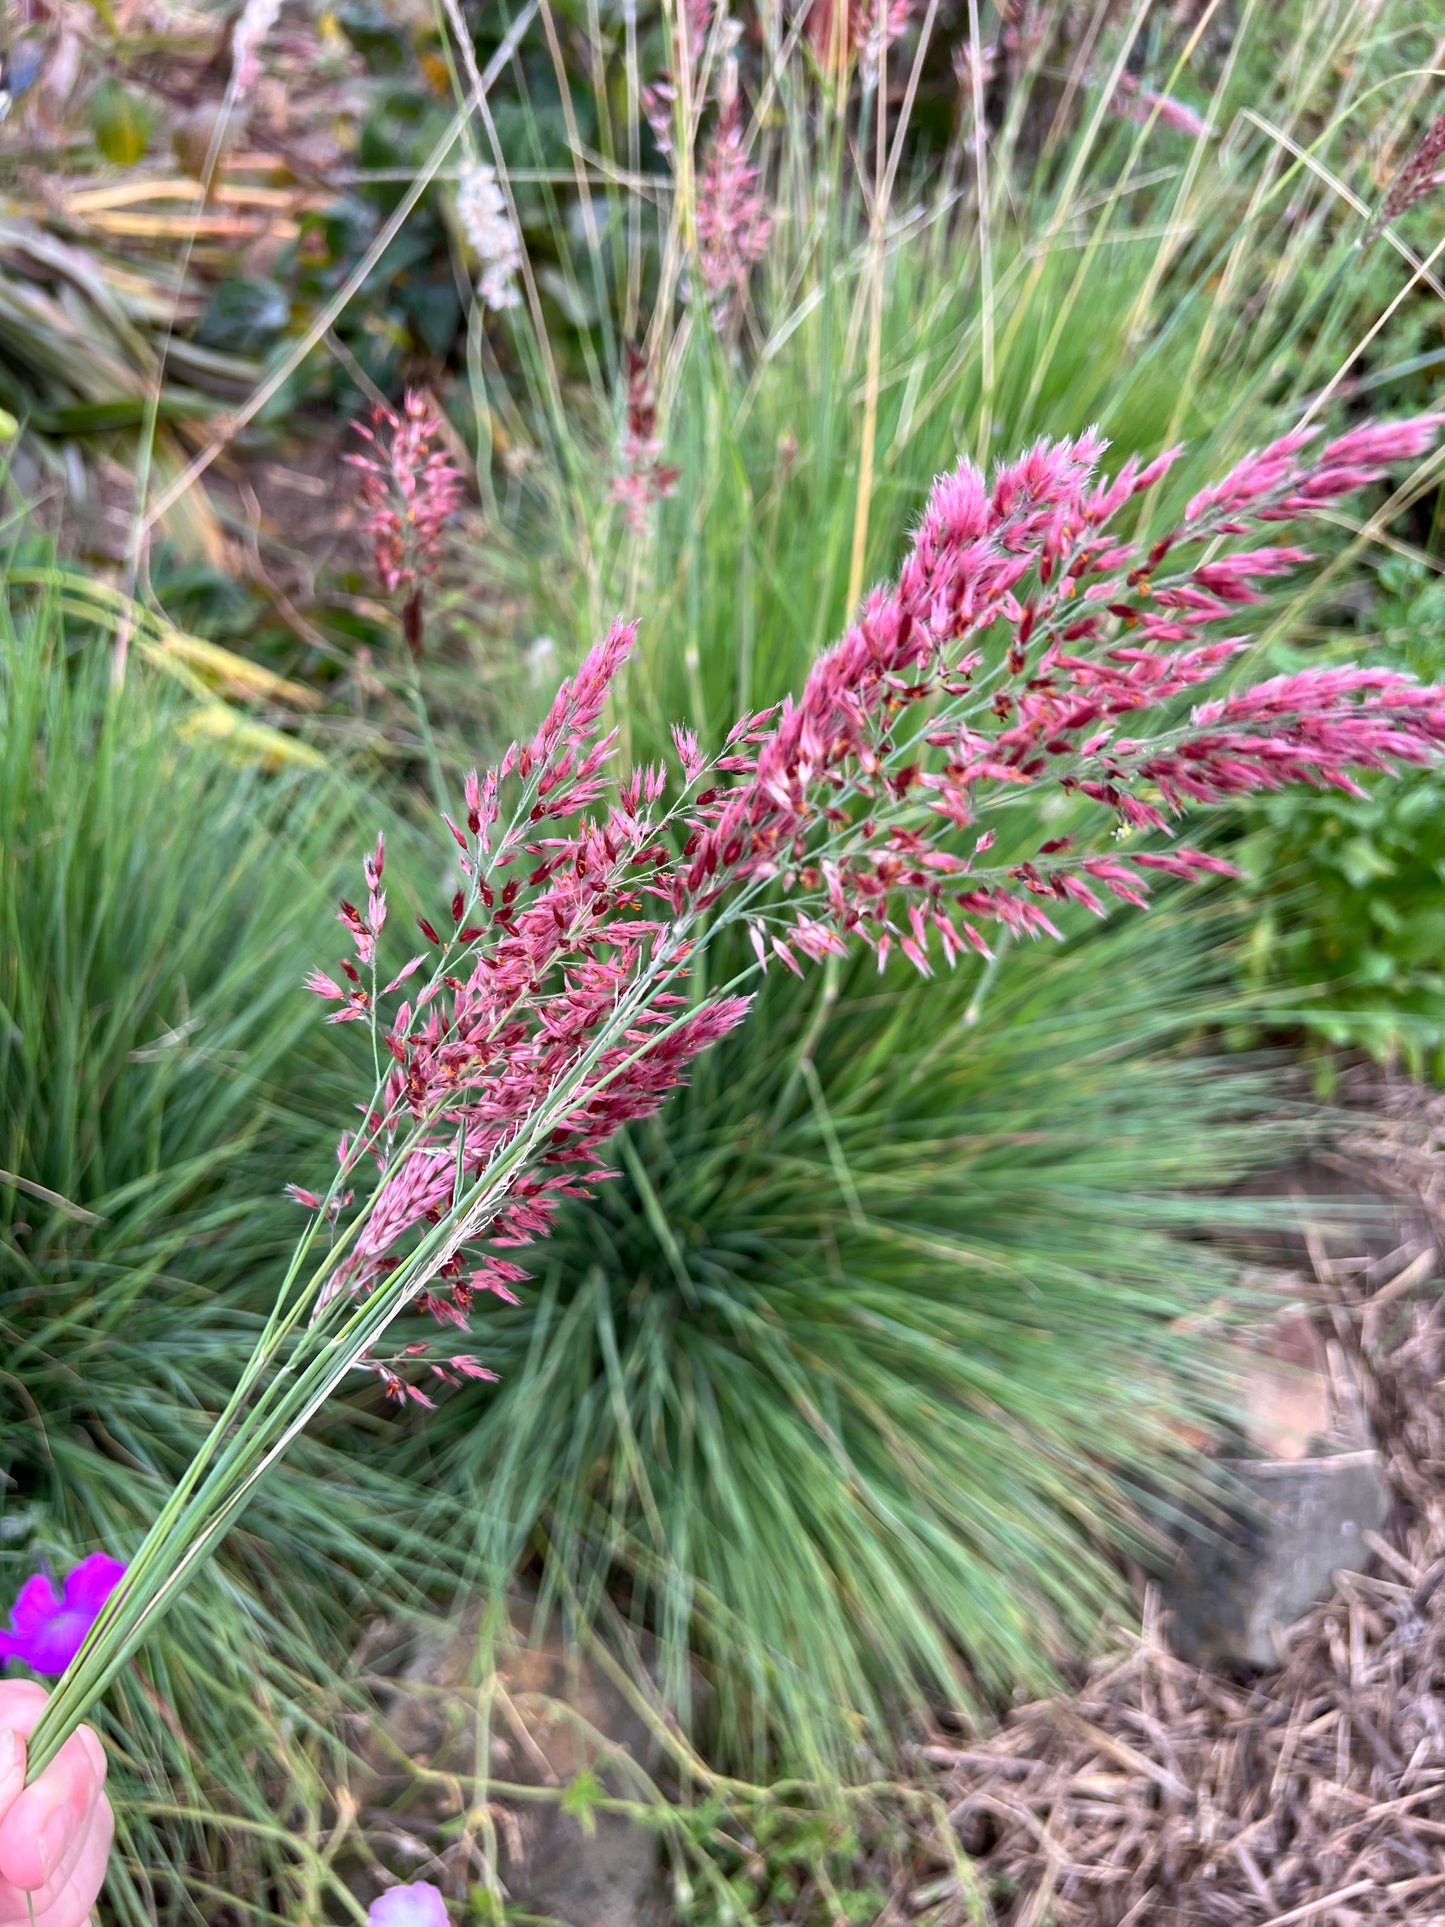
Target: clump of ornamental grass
158,1083
853,1382
1061,263
1030,648
697,1320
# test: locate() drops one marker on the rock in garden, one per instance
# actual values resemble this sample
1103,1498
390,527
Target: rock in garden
1299,1489
557,1721
1291,1526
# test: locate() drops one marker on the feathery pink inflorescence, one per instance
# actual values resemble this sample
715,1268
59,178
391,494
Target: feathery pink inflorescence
546,941
733,224
642,477
409,487
876,25
1028,647
1136,102
839,29
1082,629
660,97
1418,178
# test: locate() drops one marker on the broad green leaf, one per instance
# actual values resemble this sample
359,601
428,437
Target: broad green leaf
121,121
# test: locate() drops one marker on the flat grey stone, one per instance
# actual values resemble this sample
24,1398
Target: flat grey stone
1291,1527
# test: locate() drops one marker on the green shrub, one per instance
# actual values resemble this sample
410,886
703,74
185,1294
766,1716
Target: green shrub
1352,889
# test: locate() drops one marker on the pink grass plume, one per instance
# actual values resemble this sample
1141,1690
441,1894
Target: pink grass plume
410,486
1027,649
733,222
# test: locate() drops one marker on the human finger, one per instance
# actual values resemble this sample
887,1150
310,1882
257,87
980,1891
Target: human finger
21,1704
41,1832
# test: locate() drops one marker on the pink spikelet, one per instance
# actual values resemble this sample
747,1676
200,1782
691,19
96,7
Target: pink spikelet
642,477
659,99
838,30
1028,650
733,224
1418,178
1143,104
409,487
698,14
877,24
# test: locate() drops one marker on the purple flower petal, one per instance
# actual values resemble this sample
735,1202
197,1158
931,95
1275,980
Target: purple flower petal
47,1632
90,1584
419,1905
55,1644
35,1602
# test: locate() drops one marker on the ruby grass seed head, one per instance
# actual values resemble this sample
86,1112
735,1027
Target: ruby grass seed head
1418,178
733,223
642,476
1028,649
409,487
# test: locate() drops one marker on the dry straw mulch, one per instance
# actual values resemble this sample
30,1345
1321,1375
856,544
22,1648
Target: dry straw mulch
1161,1795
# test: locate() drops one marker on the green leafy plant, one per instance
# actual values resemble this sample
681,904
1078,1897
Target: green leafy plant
1352,890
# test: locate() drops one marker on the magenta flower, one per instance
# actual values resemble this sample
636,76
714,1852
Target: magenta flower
47,1632
419,1905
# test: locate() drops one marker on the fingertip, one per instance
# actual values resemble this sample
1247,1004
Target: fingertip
21,1864
39,1831
20,1705
22,1702
12,1767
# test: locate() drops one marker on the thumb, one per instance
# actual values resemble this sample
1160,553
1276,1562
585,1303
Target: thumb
21,1704
12,1768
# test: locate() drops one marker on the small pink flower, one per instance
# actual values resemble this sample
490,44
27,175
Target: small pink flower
46,1631
419,1905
